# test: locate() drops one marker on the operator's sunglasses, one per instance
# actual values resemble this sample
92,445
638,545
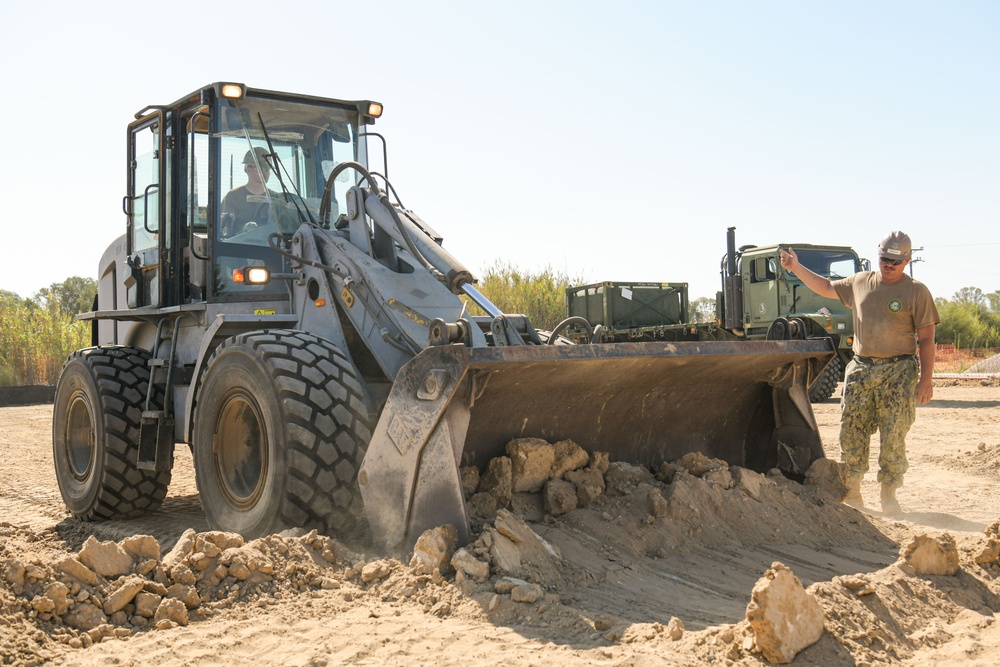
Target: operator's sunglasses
894,262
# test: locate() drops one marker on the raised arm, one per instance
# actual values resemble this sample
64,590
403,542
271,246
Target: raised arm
817,283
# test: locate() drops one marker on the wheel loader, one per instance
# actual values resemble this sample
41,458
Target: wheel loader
316,350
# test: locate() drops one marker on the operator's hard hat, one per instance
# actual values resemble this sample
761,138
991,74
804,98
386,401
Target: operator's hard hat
895,246
261,155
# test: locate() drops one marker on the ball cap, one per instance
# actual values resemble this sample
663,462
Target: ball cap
895,246
261,156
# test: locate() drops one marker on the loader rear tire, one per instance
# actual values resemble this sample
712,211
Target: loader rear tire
280,431
826,383
95,435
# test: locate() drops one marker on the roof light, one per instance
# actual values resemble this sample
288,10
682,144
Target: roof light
232,91
374,109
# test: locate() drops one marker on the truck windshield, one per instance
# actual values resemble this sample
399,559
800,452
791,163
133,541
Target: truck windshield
833,264
273,159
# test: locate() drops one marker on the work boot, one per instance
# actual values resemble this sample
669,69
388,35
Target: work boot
853,497
889,503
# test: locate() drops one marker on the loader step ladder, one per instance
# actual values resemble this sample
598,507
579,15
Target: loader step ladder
156,428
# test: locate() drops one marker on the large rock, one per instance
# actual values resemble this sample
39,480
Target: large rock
932,555
183,548
589,484
434,549
74,568
784,618
107,559
559,496
496,481
123,595
531,463
569,456
142,547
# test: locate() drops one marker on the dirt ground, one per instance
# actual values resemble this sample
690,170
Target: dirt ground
611,576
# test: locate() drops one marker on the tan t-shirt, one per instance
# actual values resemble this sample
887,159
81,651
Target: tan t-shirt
886,315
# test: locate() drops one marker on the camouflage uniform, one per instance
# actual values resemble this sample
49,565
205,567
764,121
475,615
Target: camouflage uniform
878,397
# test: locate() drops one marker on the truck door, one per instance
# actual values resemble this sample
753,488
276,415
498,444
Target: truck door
760,292
145,210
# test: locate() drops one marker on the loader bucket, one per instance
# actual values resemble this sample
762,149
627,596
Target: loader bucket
745,402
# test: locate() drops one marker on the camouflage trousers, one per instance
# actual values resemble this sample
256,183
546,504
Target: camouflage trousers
877,398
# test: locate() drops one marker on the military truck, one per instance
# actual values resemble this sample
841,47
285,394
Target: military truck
759,301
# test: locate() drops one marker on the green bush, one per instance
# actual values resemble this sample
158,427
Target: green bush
35,341
541,296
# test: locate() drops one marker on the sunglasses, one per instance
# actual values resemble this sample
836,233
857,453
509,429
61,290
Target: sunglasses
894,262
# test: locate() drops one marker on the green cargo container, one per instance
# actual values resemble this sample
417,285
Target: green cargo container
629,305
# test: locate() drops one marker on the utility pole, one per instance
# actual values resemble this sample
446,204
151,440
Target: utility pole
914,259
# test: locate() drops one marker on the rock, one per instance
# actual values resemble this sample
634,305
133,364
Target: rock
930,555
697,464
988,552
531,463
42,604
123,595
184,593
625,478
15,574
559,497
182,549
470,480
749,481
589,484
171,610
85,617
482,507
568,456
657,503
58,593
504,585
497,481
784,618
77,570
828,476
504,554
376,570
675,628
463,561
434,549
142,547
526,593
721,477
107,559
599,461
146,604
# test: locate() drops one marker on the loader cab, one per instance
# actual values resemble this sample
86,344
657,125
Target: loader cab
187,241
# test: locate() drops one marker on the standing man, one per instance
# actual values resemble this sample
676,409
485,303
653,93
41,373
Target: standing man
894,320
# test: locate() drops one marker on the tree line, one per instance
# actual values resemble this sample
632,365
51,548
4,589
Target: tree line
38,333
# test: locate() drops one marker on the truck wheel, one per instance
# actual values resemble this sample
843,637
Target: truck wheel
95,434
280,431
826,383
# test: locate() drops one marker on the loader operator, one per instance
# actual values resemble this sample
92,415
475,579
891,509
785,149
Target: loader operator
894,320
247,203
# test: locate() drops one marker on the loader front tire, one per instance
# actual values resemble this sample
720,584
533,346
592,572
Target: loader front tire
826,383
95,435
280,430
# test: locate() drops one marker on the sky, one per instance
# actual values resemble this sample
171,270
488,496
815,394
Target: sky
604,141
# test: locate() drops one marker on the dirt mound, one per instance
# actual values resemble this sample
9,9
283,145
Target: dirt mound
599,555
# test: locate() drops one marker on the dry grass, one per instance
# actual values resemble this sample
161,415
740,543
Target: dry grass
34,343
